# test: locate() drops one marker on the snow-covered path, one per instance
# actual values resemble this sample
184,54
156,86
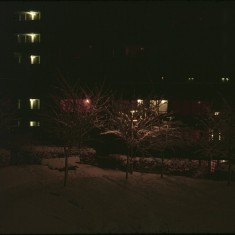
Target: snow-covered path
33,200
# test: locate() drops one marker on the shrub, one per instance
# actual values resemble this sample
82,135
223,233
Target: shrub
5,156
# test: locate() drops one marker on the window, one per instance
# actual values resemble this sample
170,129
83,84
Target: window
224,79
160,105
140,102
34,123
28,38
34,59
29,15
34,103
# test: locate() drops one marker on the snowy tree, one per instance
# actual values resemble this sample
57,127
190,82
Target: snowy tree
218,135
75,112
139,124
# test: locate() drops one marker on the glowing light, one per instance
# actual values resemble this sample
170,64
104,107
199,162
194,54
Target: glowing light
133,111
32,59
32,35
216,113
163,101
139,101
32,14
87,101
34,103
34,123
190,79
225,79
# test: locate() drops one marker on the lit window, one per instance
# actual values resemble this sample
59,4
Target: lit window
211,134
34,123
28,38
224,79
29,15
19,104
34,103
160,105
163,106
216,113
140,102
133,111
34,59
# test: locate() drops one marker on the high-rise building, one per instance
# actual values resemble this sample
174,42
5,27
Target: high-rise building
89,42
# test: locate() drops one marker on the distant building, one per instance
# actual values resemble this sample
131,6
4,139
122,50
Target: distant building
39,45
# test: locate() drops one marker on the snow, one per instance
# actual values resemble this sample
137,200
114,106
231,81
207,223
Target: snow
96,200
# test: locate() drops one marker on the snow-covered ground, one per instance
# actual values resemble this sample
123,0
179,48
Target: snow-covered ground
33,200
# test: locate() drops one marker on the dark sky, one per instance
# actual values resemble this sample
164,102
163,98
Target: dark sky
189,36
186,35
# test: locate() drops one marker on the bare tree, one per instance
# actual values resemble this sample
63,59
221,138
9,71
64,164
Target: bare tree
218,135
139,125
76,111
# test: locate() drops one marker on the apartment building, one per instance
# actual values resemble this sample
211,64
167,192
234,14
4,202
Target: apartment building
43,40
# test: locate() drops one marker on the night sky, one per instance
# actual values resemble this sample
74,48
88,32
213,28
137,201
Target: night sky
187,38
196,37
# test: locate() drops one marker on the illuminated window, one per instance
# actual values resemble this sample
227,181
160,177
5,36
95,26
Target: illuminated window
28,38
34,59
224,79
160,105
216,113
34,103
190,79
34,123
19,104
211,135
29,15
140,102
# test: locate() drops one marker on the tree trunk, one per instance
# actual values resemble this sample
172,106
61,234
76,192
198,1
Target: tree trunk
229,171
127,166
209,168
131,162
162,158
66,152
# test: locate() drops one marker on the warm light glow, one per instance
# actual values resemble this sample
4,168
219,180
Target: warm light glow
225,79
190,79
216,113
35,59
139,101
87,101
163,101
29,15
32,35
32,14
34,123
133,111
34,103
